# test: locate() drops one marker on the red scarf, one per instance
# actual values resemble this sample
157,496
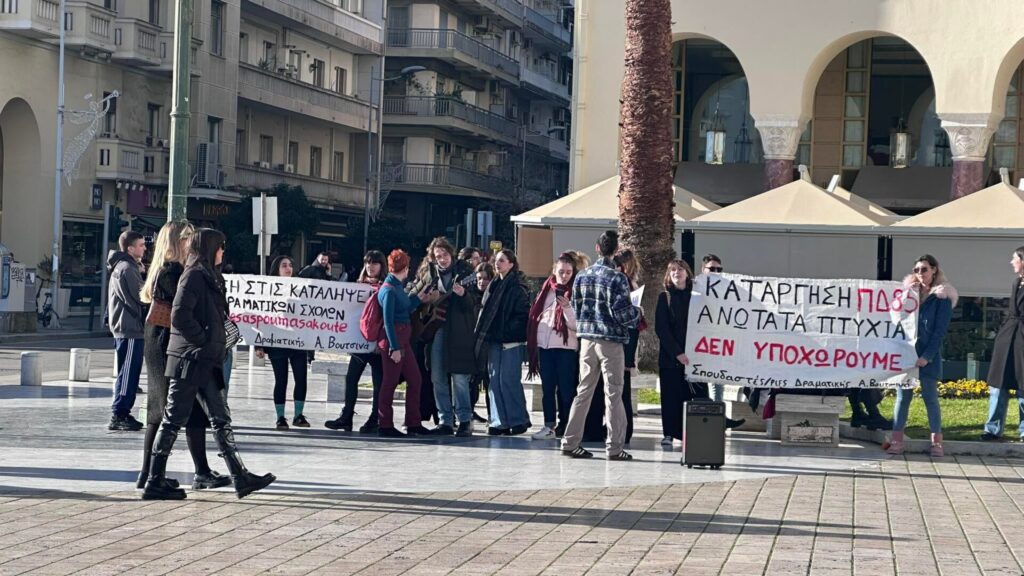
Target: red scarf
536,311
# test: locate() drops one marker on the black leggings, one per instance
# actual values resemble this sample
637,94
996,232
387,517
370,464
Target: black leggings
279,360
356,365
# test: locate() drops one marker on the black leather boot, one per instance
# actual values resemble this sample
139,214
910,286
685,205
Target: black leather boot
245,482
157,486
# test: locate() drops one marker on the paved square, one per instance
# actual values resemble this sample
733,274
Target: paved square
347,504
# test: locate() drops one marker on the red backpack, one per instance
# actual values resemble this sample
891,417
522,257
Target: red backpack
371,321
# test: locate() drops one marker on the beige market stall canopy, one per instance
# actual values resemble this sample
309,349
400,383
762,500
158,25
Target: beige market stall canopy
796,230
873,207
575,221
972,237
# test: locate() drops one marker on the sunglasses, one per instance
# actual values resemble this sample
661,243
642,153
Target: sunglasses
921,269
714,268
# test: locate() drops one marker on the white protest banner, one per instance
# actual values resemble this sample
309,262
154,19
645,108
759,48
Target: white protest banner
801,333
298,313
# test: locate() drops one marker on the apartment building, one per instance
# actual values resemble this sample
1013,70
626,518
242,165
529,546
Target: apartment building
483,114
280,93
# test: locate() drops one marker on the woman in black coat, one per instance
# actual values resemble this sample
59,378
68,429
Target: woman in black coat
195,364
158,291
1006,372
670,321
375,270
501,331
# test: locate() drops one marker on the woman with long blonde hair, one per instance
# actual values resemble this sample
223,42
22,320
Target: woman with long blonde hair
158,291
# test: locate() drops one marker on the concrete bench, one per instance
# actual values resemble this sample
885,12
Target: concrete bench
806,420
533,386
335,372
737,408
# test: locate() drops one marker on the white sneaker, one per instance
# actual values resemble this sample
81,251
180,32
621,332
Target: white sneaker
544,433
666,441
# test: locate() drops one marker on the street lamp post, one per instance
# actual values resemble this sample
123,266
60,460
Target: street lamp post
374,80
179,181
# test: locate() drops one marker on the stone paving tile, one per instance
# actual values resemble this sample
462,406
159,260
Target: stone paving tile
913,515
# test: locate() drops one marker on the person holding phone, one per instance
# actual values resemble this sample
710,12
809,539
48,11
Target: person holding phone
551,346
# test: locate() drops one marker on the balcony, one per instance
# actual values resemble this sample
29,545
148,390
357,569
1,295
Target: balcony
31,18
509,10
326,19
544,84
262,86
118,159
449,180
545,27
156,164
449,113
463,52
165,51
89,27
136,42
318,190
551,146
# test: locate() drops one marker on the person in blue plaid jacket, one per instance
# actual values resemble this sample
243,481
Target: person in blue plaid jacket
604,315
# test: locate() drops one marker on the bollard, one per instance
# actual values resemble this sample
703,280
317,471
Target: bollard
31,369
78,367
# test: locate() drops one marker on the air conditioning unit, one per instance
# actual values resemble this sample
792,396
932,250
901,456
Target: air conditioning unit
265,165
290,168
207,164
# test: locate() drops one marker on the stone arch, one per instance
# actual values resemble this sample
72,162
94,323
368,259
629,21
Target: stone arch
22,185
1011,60
818,64
708,92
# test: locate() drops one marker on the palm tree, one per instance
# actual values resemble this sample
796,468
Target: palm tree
645,194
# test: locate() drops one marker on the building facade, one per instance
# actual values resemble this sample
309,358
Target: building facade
483,117
908,104
825,84
280,93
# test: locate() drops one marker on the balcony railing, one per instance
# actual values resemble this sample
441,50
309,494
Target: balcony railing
34,18
330,17
90,26
425,106
553,146
548,25
542,80
117,158
433,38
136,42
316,189
446,176
267,87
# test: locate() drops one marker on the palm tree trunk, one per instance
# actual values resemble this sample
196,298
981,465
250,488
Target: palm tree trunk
645,194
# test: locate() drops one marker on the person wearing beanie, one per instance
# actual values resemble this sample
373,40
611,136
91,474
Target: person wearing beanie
396,348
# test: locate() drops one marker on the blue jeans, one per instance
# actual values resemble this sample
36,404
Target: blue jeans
558,382
442,391
129,362
998,399
930,394
508,400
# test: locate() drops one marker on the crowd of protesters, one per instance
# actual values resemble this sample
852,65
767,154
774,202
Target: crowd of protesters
458,326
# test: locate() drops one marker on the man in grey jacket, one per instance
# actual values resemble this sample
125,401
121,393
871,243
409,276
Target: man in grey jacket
127,323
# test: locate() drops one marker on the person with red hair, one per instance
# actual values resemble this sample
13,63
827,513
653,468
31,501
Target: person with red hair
396,349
